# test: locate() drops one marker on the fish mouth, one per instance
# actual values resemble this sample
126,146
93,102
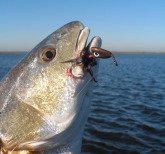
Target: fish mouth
77,67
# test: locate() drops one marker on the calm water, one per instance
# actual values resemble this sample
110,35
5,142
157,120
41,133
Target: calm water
128,105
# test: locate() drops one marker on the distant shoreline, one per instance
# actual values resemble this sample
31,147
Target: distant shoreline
140,52
114,52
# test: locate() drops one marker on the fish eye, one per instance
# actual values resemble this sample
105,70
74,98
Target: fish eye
48,54
96,54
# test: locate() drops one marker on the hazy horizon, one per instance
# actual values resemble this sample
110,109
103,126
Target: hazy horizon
118,52
124,26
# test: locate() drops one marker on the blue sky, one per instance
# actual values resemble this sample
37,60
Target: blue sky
123,25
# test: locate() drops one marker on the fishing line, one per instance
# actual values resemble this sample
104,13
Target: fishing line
83,87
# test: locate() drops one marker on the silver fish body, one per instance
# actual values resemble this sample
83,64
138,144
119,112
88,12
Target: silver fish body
41,107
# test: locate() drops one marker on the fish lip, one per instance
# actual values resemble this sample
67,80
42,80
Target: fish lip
82,40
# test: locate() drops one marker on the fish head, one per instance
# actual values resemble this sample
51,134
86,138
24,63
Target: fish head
41,106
